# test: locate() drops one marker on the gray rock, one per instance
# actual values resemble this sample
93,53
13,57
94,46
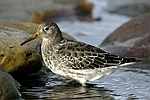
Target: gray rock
129,7
8,87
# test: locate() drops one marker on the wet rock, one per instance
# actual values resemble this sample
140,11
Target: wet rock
16,59
131,39
130,8
8,87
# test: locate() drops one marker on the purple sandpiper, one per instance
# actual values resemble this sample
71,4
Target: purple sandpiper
74,59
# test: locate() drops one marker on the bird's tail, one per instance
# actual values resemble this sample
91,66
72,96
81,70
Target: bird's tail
129,61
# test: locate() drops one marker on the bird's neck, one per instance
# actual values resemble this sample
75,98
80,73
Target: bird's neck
52,41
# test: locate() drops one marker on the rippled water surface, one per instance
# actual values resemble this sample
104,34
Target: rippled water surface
127,83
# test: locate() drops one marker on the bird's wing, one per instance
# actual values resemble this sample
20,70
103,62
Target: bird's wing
78,55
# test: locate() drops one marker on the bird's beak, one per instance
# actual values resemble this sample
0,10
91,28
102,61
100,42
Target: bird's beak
36,35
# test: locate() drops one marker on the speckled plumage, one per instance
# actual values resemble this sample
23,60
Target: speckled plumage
73,59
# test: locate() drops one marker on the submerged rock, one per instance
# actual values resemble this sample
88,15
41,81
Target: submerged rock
8,87
131,39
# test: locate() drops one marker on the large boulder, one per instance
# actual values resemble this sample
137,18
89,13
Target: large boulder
131,39
8,87
17,59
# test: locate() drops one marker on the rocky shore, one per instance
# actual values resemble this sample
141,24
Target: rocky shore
131,39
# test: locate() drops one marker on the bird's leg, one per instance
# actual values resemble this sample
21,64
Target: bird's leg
83,82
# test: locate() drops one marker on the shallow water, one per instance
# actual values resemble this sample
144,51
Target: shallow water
127,83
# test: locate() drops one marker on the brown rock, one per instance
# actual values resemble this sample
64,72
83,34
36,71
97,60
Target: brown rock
131,39
36,17
25,26
8,87
85,6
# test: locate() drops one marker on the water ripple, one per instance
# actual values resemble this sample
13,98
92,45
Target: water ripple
127,83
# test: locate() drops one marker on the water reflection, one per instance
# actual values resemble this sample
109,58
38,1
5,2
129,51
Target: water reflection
79,92
56,87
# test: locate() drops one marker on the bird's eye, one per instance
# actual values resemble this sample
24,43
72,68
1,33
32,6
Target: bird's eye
46,28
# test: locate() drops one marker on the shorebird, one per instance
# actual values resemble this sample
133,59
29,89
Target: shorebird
73,59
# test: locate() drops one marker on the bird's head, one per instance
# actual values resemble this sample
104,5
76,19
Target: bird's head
46,31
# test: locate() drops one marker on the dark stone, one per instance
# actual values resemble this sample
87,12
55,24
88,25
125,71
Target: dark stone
8,87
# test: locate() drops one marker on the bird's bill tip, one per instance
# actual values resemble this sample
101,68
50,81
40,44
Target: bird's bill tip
36,35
